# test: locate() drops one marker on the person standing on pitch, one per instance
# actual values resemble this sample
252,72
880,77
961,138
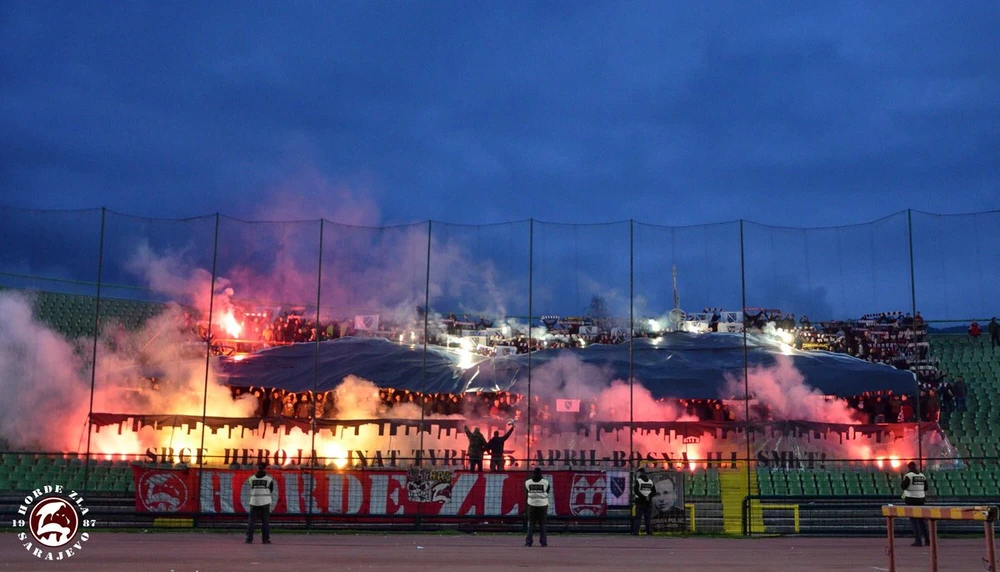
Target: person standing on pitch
261,488
643,492
914,493
538,507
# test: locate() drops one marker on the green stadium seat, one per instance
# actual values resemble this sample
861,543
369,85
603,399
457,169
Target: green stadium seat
795,485
809,486
882,485
766,488
779,484
853,486
867,485
19,471
52,475
75,481
108,484
822,483
838,486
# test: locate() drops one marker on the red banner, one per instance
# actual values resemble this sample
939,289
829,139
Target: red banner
424,492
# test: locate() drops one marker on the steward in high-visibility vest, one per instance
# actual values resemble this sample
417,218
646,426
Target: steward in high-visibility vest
643,491
914,484
261,488
914,493
537,489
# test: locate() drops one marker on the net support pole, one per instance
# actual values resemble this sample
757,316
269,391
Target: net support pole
93,355
913,313
427,302
208,354
746,365
312,442
531,269
423,367
631,335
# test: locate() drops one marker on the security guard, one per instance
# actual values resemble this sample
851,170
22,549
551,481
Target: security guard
914,493
643,492
261,488
538,506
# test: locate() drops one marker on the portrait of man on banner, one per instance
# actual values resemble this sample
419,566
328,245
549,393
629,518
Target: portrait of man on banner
668,501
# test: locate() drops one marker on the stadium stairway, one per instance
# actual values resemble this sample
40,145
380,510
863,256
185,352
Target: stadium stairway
734,486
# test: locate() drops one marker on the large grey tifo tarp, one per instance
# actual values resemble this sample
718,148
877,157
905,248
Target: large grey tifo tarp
673,365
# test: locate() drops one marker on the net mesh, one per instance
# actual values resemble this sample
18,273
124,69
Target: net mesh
103,308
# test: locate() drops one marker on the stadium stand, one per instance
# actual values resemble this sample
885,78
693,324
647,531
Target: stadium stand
73,314
715,496
975,432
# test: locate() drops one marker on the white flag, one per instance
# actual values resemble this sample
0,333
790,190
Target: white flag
568,405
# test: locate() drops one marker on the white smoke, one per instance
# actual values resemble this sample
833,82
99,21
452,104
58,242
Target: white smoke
358,398
176,358
45,395
168,273
568,377
46,382
783,389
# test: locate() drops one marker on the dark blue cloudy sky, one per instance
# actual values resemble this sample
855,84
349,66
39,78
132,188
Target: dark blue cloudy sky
801,113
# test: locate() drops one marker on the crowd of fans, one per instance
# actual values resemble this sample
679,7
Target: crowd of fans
500,405
260,329
325,404
893,338
942,396
870,407
268,328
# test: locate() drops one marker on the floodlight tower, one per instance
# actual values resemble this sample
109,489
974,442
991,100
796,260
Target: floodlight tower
676,317
677,296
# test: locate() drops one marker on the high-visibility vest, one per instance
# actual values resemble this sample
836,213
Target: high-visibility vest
643,488
260,490
918,486
538,492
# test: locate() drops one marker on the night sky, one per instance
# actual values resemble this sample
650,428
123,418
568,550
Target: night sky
794,114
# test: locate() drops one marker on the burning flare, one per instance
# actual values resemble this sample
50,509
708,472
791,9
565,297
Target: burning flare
230,325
